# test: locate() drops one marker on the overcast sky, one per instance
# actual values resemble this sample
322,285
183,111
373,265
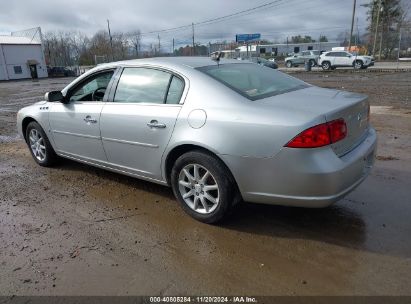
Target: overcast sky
281,19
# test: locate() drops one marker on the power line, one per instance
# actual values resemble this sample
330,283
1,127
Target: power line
215,19
229,18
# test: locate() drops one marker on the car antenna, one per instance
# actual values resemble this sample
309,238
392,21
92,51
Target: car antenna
216,57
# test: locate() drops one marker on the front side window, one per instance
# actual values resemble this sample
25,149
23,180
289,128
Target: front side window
253,81
92,89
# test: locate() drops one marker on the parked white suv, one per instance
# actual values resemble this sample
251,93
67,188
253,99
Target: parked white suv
334,59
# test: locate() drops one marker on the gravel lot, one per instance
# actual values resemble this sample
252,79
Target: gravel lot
78,230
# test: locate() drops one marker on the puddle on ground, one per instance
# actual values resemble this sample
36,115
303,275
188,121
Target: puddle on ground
10,138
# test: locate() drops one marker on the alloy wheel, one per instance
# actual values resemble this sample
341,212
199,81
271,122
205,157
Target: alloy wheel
198,188
37,145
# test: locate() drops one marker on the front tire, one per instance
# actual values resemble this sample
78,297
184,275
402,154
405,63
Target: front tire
203,186
289,64
39,145
326,66
358,65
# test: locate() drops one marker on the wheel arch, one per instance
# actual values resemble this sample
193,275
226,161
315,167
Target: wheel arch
358,60
179,150
25,122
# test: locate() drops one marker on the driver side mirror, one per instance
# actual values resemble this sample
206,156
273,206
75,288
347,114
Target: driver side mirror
54,96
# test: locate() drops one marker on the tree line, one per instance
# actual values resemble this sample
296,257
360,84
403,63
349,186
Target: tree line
387,19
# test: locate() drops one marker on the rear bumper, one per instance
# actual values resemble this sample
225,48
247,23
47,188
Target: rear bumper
303,177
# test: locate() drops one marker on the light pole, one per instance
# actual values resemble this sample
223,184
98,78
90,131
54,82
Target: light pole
352,24
376,27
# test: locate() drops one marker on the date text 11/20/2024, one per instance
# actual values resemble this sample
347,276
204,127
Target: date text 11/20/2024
203,299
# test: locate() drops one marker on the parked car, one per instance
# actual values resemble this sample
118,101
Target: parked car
216,132
334,59
300,58
60,71
264,62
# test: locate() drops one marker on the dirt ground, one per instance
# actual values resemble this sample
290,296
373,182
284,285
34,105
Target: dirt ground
78,230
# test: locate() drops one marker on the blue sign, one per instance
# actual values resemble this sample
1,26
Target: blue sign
247,37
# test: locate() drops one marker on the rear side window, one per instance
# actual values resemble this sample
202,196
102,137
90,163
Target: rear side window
253,81
145,85
141,85
175,90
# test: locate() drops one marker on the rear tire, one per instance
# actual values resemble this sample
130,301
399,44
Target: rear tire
204,187
39,145
312,63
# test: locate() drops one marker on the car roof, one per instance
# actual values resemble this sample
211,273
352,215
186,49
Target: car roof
182,62
184,65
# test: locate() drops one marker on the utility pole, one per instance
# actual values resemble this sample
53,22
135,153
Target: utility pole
352,23
111,39
287,46
194,47
376,28
159,45
399,48
173,46
379,51
319,40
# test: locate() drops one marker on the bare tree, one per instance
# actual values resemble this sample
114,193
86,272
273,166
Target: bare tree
135,40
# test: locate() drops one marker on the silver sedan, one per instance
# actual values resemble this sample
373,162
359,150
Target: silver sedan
218,133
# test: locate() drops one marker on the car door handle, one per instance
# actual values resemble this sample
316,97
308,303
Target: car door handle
90,120
156,124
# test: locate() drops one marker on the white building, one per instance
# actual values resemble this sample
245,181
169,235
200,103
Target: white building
21,57
282,49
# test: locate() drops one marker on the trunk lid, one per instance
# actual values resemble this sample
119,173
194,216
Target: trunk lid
312,102
356,116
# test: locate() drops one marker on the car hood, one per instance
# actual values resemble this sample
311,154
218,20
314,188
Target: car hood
366,57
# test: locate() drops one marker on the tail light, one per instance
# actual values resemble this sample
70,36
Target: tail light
320,135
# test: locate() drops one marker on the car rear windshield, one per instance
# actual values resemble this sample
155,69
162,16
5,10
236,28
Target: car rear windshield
253,81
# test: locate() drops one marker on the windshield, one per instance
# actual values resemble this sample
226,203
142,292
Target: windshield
253,81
